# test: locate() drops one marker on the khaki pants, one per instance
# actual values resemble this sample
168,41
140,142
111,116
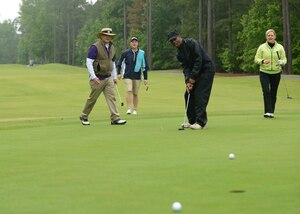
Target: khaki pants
107,87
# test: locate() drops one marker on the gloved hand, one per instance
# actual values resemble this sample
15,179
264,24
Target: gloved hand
280,62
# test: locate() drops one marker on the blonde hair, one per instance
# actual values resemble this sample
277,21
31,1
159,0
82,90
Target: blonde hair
270,30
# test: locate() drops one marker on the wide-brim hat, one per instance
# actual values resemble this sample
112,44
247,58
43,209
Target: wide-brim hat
106,31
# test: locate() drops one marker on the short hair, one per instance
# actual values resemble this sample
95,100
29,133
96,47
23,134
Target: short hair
270,30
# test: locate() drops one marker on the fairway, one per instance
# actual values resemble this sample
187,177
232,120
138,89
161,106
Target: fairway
50,163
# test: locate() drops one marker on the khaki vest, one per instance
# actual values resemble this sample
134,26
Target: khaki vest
103,64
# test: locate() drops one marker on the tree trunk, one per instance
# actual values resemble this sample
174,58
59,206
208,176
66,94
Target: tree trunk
287,36
149,34
209,28
73,44
68,39
230,43
125,24
54,40
200,21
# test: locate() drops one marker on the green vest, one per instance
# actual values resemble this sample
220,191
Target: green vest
103,64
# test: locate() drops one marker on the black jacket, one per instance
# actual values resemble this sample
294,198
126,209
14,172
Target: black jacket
194,59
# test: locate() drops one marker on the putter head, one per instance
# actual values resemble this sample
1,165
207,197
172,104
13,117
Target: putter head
182,128
122,104
289,97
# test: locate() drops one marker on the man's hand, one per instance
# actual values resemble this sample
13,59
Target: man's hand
119,76
96,80
115,81
189,87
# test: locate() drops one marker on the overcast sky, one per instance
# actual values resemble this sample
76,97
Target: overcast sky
9,9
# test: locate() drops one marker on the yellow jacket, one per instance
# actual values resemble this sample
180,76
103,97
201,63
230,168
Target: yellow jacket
273,54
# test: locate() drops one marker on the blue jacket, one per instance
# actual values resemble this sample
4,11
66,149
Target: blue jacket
133,65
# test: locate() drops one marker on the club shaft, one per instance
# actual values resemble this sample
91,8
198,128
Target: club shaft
186,107
118,93
287,93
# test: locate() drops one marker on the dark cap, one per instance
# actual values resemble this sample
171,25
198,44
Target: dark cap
134,38
172,35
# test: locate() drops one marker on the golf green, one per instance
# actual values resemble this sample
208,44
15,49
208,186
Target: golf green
50,163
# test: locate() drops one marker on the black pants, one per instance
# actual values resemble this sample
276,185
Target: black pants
199,98
269,84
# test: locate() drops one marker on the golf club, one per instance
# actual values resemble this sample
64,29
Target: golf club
122,104
147,87
287,93
186,108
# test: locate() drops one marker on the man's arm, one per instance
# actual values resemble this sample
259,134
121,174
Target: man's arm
92,54
196,52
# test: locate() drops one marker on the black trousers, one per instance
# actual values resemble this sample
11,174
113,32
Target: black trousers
199,97
269,84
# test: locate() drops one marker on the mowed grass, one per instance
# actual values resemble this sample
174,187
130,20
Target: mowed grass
50,163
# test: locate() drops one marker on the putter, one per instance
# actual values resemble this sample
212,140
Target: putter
122,104
186,108
287,93
147,87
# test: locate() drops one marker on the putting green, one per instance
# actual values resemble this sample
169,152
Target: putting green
50,163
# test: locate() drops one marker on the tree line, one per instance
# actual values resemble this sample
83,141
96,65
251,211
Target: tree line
61,31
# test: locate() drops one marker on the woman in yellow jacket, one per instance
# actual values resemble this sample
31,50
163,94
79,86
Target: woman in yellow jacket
271,57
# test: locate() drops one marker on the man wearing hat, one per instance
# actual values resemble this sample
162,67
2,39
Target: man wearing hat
101,66
134,64
198,70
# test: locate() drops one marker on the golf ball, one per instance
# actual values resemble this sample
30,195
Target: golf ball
176,207
231,156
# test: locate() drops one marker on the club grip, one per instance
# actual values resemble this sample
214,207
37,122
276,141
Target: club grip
278,55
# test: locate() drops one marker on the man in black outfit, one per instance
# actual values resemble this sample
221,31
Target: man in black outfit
198,70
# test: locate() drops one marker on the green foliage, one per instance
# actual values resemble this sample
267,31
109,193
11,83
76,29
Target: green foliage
259,19
226,59
62,30
86,37
9,40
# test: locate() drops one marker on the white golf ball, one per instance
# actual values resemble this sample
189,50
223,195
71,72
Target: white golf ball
231,156
176,207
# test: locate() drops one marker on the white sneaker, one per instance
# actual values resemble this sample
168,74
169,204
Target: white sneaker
84,121
118,122
269,115
195,126
186,125
134,112
128,111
